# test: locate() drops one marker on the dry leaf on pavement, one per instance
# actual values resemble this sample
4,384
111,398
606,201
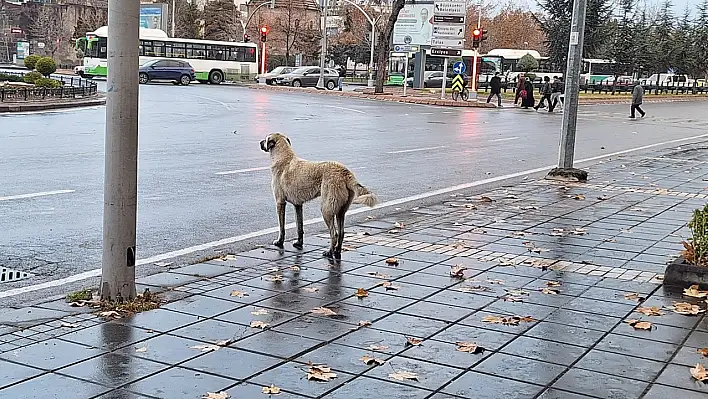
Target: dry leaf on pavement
216,395
259,312
703,351
694,292
379,275
399,225
550,291
141,349
224,342
377,347
69,325
457,271
486,199
271,390
392,261
110,313
639,325
295,268
207,347
509,298
650,311
469,347
686,308
259,324
578,197
633,296
310,289
404,375
389,286
361,293
507,321
699,372
516,292
473,288
277,278
239,294
372,361
320,373
496,281
323,311
553,283
413,341
603,198
363,323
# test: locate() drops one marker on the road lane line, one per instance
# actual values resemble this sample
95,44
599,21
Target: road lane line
233,172
344,108
504,139
416,149
272,230
33,195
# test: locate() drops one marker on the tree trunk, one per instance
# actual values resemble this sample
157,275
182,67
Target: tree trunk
384,45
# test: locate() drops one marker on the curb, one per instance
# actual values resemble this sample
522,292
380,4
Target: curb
681,273
29,107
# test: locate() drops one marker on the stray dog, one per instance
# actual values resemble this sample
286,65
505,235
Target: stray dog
297,181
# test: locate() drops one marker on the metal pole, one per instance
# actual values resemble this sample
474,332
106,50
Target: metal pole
405,75
120,190
370,83
263,58
173,17
474,71
323,51
444,82
572,86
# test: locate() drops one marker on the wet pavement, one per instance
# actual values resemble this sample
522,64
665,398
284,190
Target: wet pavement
549,274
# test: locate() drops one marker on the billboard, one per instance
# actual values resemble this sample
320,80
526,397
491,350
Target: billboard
414,25
154,16
23,50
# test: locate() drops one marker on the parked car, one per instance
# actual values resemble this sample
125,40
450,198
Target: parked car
668,79
621,81
277,71
308,77
177,72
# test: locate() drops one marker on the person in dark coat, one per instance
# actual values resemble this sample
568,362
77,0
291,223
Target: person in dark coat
546,91
527,99
637,99
519,89
495,86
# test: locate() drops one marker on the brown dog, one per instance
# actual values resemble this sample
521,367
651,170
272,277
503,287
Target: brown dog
298,181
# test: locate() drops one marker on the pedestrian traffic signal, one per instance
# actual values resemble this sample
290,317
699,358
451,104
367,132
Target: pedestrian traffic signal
246,38
476,37
264,33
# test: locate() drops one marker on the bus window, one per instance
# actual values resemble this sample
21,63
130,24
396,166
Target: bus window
178,50
195,51
158,48
102,47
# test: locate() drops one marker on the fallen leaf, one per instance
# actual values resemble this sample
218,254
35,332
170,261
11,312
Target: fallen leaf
650,311
550,291
603,198
578,231
323,311
78,304
553,283
469,347
702,351
259,324
372,361
507,321
271,390
207,347
457,271
217,395
392,261
310,289
295,268
361,293
404,375
473,288
578,197
379,275
377,347
278,278
517,292
639,325
363,323
699,372
320,373
496,281
141,349
110,313
224,342
633,296
259,312
399,225
509,298
507,262
239,294
694,292
686,308
274,269
163,264
412,341
486,199
68,325
389,286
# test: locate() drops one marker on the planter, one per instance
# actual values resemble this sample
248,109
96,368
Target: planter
680,272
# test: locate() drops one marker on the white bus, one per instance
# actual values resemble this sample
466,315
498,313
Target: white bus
213,61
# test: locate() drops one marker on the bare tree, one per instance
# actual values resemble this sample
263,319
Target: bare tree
384,45
46,28
91,18
290,22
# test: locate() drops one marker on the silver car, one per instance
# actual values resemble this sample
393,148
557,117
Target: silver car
308,77
277,71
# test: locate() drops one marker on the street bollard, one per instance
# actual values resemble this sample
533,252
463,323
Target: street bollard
340,83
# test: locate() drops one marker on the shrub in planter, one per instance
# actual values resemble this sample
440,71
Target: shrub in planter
46,66
32,77
4,77
48,83
31,61
696,248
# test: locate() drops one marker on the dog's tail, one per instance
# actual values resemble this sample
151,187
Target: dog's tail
363,195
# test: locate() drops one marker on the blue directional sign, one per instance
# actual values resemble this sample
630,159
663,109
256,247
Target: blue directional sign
459,67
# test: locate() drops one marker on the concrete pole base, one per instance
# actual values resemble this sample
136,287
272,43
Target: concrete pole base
568,175
370,83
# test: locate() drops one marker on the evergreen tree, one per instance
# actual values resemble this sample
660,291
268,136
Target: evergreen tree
700,41
642,47
188,23
662,38
684,57
623,49
220,20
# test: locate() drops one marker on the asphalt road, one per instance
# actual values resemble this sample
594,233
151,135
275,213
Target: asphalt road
202,176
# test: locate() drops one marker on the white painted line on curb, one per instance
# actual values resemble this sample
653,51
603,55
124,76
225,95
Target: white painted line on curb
33,195
272,230
233,172
416,149
504,139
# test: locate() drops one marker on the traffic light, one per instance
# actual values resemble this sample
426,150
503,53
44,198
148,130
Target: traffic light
264,33
476,37
484,35
246,38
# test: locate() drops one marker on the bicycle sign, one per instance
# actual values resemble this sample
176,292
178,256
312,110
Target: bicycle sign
459,67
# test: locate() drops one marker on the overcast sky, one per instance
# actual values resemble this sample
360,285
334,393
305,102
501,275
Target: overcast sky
679,5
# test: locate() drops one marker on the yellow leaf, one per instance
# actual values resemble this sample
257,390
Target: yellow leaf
323,311
412,341
633,296
550,291
239,294
277,278
553,283
699,372
217,395
404,375
509,298
392,261
320,373
639,325
389,286
469,347
650,311
295,268
703,351
372,361
259,324
361,293
111,313
271,390
686,308
694,292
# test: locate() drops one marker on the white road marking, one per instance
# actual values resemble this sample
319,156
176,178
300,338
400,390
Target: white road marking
233,172
272,230
416,149
345,108
33,195
503,139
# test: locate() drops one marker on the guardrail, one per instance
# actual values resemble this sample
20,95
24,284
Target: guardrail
649,87
72,87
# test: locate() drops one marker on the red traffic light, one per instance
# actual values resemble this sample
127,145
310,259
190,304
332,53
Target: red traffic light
476,32
264,29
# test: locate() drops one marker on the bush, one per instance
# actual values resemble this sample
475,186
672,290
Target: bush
48,83
4,77
527,63
31,61
46,66
32,77
696,248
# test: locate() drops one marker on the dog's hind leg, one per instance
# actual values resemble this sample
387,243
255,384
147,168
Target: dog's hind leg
341,213
328,216
280,206
300,228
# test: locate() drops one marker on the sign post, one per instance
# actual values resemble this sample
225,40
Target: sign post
405,74
448,37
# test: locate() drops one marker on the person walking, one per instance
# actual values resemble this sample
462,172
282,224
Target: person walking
556,90
637,99
495,86
520,90
527,95
545,93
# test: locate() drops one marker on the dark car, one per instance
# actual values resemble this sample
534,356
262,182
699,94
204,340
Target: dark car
178,72
308,77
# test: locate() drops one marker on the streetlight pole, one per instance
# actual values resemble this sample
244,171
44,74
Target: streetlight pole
323,51
120,190
373,22
173,17
565,170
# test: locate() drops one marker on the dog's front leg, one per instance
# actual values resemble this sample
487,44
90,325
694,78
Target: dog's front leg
280,206
300,228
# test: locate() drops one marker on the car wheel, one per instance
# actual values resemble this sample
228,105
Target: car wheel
144,78
216,77
296,83
331,85
185,80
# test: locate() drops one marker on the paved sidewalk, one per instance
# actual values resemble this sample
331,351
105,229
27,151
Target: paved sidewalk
550,273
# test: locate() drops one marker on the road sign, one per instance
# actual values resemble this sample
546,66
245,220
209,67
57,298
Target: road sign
40,45
404,48
448,19
459,67
450,8
446,52
450,43
457,82
450,31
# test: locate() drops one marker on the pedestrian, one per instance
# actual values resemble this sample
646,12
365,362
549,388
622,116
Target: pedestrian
637,98
342,75
556,91
527,95
495,86
519,89
545,93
